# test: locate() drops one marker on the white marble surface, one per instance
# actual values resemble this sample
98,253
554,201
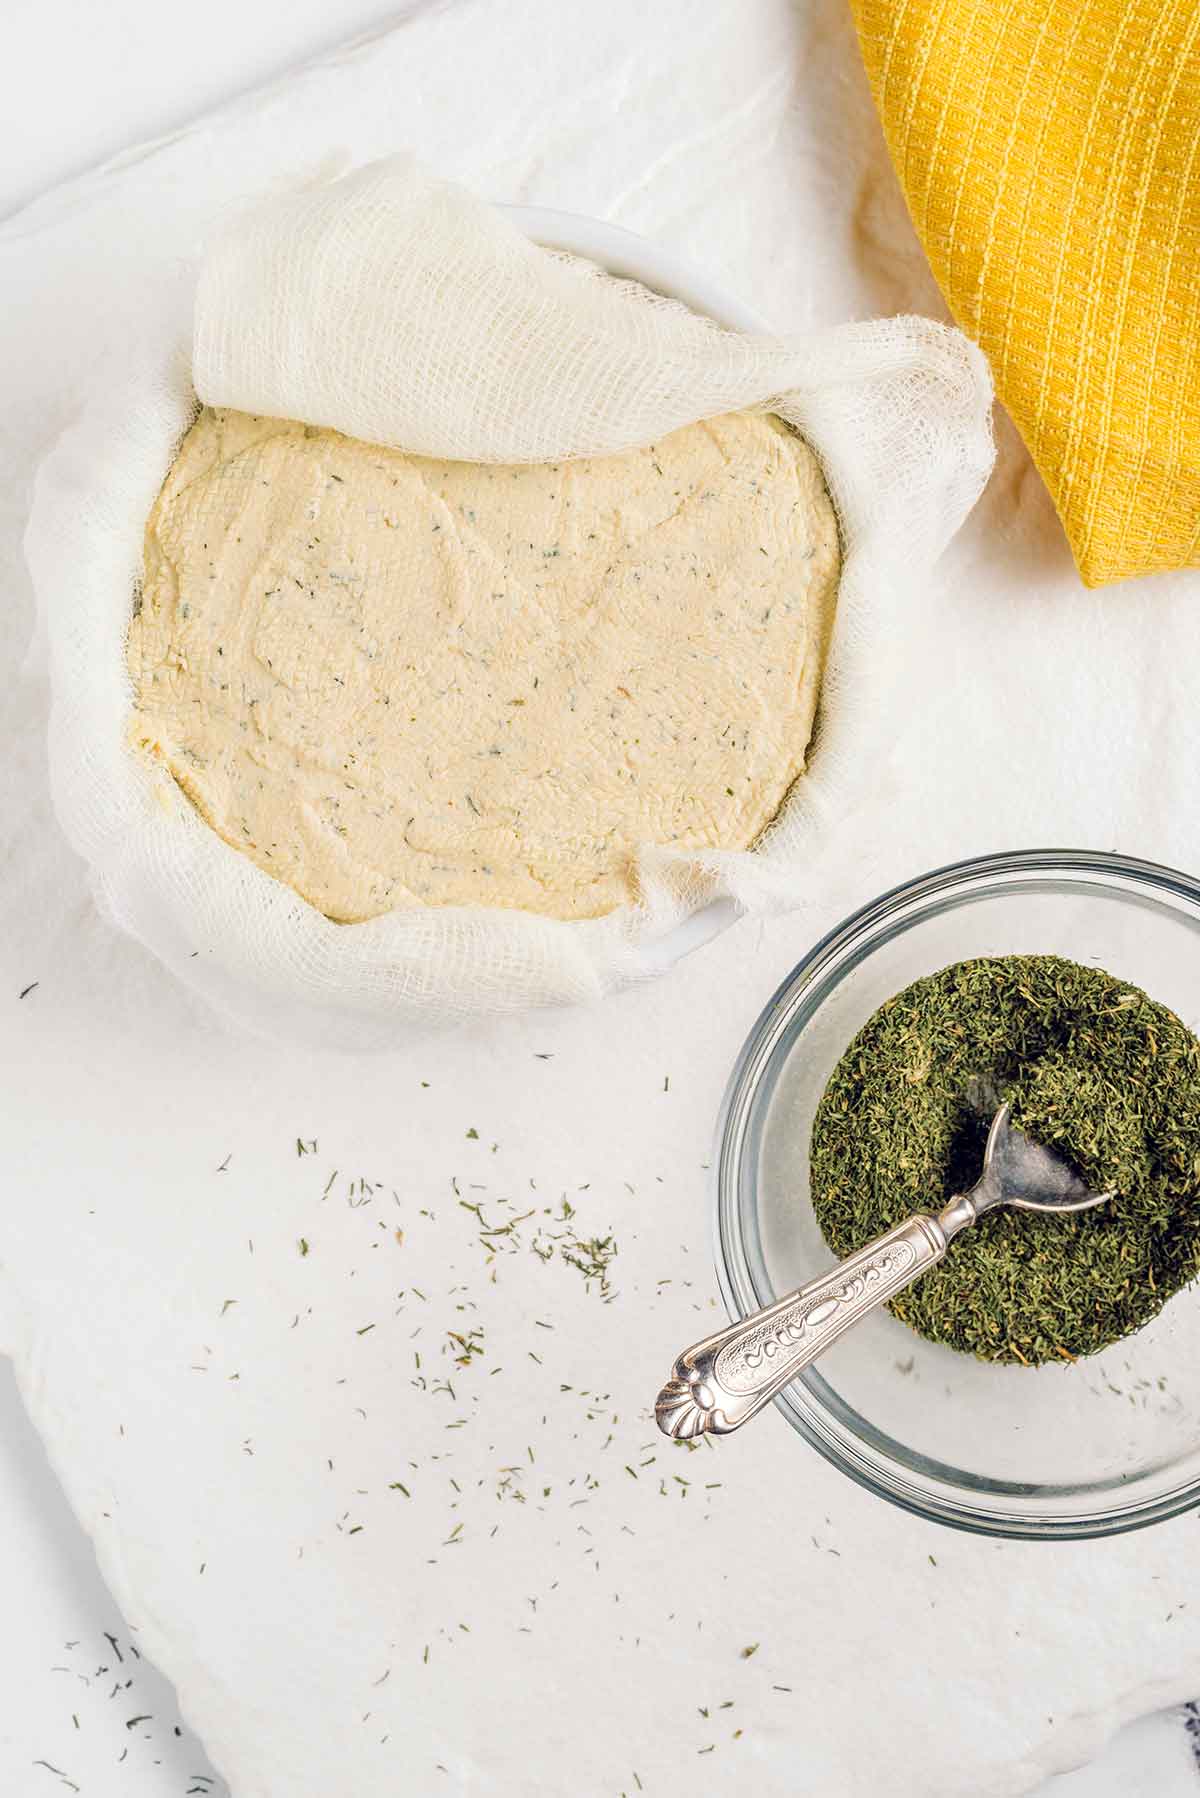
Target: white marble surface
77,82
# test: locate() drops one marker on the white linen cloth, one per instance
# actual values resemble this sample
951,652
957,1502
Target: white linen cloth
197,1229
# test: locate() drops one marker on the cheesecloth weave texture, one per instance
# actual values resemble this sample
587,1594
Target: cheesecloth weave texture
397,308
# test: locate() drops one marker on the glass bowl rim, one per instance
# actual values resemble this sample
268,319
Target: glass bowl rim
865,929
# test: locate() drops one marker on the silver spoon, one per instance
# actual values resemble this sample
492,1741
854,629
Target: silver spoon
719,1384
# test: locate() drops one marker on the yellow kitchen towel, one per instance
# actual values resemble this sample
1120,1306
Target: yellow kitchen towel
1050,154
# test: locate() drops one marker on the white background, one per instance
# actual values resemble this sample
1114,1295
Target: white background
78,83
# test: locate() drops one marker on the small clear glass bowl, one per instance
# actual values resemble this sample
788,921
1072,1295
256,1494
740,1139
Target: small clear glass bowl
1110,1443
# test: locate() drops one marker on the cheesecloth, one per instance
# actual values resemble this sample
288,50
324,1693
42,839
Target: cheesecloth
398,308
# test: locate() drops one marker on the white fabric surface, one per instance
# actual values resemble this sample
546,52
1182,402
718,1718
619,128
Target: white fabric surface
397,307
747,140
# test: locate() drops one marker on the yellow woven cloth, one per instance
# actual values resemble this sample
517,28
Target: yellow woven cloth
1050,154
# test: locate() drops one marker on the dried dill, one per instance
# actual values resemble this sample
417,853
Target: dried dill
1094,1069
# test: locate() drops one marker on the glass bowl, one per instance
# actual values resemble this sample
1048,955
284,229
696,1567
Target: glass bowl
1107,1444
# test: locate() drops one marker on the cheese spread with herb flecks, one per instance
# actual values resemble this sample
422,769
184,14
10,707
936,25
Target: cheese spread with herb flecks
392,682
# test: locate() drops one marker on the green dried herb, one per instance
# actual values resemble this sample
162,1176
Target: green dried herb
1093,1069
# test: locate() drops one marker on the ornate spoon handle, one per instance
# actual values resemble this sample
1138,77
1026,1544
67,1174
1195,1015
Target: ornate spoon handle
720,1383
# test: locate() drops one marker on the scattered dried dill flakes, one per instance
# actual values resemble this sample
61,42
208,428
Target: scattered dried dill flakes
1094,1069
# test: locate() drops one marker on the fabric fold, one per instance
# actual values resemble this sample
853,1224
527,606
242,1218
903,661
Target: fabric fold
1050,156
